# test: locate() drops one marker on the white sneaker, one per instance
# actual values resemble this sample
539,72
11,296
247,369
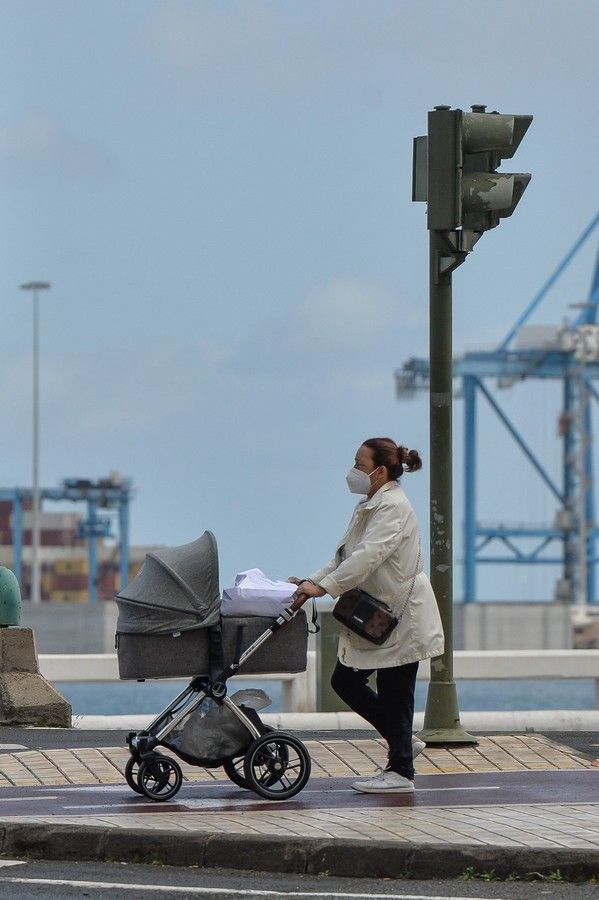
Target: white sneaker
417,746
386,783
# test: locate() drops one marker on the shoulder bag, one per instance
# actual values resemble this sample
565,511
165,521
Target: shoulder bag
368,617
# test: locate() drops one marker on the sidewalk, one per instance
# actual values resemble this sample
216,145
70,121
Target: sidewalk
515,804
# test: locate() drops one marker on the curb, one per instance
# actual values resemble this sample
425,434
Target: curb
543,720
308,856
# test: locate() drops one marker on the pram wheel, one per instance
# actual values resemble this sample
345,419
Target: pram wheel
234,769
277,766
131,774
159,778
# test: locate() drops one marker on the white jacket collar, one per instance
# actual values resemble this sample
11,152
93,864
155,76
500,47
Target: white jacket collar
376,498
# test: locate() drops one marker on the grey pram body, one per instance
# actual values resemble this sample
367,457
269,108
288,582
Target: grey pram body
169,626
168,613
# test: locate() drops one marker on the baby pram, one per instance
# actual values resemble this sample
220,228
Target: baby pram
169,625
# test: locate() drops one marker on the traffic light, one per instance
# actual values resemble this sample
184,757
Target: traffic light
464,150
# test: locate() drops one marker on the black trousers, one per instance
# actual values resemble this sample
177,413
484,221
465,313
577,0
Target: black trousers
390,709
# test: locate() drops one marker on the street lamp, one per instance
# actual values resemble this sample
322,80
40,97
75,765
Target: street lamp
35,287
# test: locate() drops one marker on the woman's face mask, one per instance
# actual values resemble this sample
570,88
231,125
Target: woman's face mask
357,481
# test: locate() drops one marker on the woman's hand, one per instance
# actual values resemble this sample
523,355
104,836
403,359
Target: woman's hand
311,590
305,591
294,580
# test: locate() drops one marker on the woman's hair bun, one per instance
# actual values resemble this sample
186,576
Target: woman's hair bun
411,460
394,457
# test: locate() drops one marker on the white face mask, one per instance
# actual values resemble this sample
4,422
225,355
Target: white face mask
358,482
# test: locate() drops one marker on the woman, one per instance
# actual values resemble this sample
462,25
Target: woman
381,553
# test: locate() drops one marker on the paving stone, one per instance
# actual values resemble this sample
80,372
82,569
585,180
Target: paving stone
333,758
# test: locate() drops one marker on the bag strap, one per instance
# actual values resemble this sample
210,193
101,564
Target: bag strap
315,626
409,597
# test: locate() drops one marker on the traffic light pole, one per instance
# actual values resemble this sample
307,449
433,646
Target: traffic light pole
442,716
455,174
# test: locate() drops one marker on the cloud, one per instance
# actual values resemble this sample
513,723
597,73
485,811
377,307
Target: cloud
261,403
346,312
334,348
363,51
343,324
41,147
206,36
260,48
330,355
16,374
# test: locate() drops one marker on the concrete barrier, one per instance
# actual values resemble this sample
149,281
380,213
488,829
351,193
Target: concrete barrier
90,628
299,690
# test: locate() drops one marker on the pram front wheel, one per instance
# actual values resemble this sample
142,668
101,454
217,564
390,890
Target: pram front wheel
234,770
131,774
277,766
159,778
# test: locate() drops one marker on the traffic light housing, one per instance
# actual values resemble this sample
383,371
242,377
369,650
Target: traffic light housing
464,150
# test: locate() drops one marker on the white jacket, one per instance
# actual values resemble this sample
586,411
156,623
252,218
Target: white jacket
381,553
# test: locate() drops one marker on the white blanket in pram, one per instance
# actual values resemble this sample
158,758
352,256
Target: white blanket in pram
254,594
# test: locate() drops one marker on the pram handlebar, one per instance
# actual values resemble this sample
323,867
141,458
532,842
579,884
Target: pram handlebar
298,600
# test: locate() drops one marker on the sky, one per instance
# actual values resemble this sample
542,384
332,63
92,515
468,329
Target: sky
220,196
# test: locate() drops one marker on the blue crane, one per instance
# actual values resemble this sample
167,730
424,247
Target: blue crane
569,355
105,493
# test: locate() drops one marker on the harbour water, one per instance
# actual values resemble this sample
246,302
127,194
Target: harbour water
146,698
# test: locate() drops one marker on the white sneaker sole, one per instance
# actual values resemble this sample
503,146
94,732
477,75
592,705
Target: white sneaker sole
376,789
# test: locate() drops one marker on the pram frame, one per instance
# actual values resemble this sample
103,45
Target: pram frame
142,744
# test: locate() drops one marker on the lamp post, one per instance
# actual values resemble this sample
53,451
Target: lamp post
35,287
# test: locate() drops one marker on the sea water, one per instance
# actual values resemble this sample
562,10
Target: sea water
149,697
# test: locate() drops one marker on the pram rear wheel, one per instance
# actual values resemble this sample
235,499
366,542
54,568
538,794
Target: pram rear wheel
131,774
277,767
159,778
234,770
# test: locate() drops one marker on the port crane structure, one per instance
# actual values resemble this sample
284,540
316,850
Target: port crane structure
570,355
102,494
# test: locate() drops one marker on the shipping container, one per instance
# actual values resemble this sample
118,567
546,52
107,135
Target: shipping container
69,596
77,565
47,583
70,581
51,538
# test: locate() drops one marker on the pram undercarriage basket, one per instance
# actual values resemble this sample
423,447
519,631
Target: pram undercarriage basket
169,626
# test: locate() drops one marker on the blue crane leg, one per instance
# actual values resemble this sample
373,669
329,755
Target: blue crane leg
469,489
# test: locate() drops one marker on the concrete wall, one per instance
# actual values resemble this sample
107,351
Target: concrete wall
512,626
72,627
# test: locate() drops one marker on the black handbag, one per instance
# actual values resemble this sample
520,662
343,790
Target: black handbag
366,616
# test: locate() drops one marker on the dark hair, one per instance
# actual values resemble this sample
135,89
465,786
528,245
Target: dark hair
396,459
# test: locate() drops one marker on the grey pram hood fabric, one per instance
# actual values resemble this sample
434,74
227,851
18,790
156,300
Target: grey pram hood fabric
175,590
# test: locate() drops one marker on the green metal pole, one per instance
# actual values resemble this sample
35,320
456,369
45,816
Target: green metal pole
442,716
327,640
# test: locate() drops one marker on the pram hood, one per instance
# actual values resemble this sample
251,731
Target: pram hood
176,589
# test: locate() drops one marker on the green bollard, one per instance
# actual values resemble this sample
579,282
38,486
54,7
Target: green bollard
326,660
328,637
10,598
